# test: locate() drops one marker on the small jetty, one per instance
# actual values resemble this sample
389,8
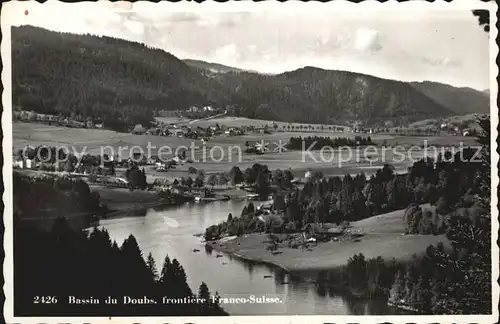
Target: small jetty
211,199
267,276
207,195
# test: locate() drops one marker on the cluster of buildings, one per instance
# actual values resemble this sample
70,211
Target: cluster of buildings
76,122
192,111
184,130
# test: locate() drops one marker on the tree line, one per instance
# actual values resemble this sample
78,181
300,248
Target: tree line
128,89
46,195
320,142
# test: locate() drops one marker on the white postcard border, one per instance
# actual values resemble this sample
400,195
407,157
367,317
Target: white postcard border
7,16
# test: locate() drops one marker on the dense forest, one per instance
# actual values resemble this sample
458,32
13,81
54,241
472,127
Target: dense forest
124,83
61,263
48,195
320,142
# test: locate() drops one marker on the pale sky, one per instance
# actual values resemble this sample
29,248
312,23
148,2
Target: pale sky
443,46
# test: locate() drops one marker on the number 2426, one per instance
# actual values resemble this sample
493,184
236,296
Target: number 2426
45,300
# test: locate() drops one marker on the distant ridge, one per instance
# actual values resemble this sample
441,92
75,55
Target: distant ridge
461,101
124,83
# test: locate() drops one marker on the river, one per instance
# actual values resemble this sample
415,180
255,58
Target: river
171,231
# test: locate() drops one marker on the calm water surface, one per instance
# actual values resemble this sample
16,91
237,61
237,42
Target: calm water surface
170,231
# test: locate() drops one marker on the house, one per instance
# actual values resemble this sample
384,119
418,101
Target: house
139,130
321,231
193,109
18,163
176,132
273,221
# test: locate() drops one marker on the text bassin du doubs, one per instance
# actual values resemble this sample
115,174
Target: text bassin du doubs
127,300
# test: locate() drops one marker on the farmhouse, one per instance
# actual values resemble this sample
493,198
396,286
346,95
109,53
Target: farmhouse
139,129
193,109
21,163
321,230
18,163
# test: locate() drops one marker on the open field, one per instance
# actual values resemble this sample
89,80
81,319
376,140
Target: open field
431,123
172,120
383,237
227,151
242,121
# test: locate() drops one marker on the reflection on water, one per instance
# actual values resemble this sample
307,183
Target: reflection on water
171,231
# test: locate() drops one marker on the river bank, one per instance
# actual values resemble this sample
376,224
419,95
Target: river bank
121,201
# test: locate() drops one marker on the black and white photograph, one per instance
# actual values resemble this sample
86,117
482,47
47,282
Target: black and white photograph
228,162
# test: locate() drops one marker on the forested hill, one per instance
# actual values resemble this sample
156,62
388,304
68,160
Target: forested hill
213,67
319,95
124,82
461,101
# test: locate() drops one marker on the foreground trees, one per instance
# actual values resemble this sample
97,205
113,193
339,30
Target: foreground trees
319,142
63,263
457,281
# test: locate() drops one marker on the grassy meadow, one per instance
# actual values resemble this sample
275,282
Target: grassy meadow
383,236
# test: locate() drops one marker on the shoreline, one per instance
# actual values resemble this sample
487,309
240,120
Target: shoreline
138,208
249,259
325,256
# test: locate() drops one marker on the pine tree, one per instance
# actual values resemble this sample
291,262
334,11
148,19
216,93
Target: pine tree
397,293
262,185
204,294
165,272
151,265
179,280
